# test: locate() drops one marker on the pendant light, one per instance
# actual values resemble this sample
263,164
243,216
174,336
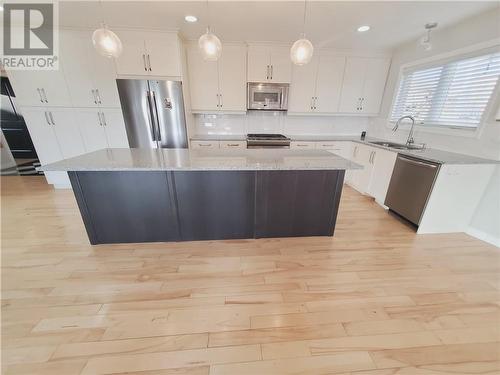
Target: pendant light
302,50
426,40
210,45
105,41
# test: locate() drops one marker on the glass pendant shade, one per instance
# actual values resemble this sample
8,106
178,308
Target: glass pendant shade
107,42
301,52
210,46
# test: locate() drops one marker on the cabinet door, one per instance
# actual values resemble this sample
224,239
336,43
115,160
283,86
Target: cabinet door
33,87
383,164
281,65
352,86
67,132
92,129
302,89
329,83
373,88
163,55
76,49
259,61
232,78
361,178
132,61
203,81
42,134
114,126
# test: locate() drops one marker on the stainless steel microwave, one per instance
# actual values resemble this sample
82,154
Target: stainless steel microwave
268,96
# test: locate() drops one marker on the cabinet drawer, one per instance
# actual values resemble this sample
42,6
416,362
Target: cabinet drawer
205,144
303,145
328,145
233,144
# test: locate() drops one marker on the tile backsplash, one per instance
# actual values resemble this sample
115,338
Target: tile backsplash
277,122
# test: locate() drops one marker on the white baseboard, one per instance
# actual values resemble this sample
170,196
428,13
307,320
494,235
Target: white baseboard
483,236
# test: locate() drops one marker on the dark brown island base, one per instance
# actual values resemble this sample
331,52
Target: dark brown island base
144,195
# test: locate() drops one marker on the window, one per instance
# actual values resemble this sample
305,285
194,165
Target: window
453,94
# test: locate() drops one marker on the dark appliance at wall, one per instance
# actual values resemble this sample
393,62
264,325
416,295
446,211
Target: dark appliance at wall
13,126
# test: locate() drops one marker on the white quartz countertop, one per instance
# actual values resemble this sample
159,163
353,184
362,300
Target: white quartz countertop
430,154
139,159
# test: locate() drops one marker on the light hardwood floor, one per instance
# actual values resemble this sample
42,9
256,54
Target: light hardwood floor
376,299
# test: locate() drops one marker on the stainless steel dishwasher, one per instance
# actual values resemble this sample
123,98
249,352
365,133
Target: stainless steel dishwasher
410,187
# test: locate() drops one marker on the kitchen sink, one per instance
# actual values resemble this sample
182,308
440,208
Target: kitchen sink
397,146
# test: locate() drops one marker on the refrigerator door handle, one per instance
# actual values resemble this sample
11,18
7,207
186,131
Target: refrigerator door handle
155,108
151,116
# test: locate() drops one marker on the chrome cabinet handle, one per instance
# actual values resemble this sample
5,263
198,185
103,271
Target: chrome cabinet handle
103,119
99,117
40,94
51,118
267,72
355,151
149,62
94,95
373,157
312,102
205,145
144,62
98,95
218,101
47,118
44,95
361,103
315,102
272,69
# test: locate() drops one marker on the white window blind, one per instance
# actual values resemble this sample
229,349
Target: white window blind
453,94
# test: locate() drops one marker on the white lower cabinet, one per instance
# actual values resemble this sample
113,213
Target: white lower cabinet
102,128
374,178
383,164
360,178
42,134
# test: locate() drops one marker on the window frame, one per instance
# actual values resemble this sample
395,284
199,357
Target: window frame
444,58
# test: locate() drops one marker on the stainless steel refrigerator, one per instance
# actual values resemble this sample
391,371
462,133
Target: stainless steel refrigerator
154,113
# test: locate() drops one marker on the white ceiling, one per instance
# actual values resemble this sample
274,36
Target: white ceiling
329,24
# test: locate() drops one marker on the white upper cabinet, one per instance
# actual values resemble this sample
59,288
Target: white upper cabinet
232,74
363,84
149,53
90,76
303,87
316,86
268,63
329,83
203,80
40,88
218,85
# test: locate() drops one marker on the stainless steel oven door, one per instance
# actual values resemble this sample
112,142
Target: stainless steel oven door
272,97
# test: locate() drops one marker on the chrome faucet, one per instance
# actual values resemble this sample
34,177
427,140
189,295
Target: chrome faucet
410,141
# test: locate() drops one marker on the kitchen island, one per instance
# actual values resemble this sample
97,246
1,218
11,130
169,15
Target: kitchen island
149,195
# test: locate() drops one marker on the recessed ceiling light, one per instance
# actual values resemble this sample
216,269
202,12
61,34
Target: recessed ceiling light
364,28
191,19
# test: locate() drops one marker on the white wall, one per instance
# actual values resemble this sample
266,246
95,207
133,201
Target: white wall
483,27
278,122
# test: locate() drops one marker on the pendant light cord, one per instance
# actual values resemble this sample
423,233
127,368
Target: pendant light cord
304,21
208,18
